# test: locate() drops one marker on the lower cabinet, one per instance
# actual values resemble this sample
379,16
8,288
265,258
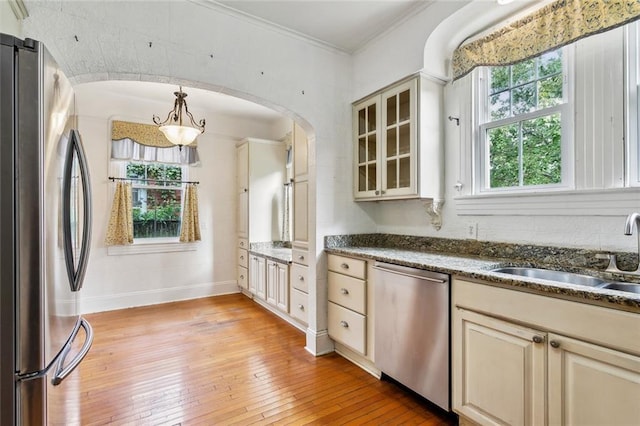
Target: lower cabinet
257,276
514,370
278,285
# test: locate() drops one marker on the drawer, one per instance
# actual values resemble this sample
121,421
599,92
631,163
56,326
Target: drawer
348,327
347,265
243,258
348,292
243,277
300,256
298,306
243,243
298,277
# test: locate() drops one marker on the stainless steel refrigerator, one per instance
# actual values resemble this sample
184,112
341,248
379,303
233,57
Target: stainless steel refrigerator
45,227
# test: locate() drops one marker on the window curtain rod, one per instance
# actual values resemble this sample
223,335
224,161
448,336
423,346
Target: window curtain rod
113,179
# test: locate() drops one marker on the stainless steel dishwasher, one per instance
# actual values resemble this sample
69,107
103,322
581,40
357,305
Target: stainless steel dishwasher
412,329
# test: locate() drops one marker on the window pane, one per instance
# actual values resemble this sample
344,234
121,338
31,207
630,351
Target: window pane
371,177
499,77
541,149
550,63
391,110
503,147
499,106
391,142
524,99
392,174
362,178
523,72
404,142
372,148
550,91
362,150
405,173
156,212
405,106
362,122
371,117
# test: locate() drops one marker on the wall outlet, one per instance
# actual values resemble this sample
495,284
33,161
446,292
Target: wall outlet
472,231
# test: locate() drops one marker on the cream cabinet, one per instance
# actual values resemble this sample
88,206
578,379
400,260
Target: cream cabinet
257,276
398,142
299,289
520,358
347,309
277,291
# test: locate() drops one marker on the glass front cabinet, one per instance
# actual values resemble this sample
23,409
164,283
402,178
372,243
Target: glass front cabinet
397,132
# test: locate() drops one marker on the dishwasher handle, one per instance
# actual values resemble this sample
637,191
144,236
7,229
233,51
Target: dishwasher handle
419,274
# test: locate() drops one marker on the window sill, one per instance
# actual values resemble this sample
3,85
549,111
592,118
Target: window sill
160,245
603,202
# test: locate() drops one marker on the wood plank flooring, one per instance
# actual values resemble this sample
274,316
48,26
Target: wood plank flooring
226,360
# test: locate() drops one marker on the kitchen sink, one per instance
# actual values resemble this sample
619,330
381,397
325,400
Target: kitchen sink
569,278
628,287
551,275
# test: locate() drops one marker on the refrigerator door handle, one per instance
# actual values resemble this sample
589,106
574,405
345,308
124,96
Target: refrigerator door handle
62,372
75,150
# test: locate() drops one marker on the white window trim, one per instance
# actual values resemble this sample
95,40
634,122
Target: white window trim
481,159
146,245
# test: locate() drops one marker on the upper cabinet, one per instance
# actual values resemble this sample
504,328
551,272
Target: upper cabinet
398,142
300,188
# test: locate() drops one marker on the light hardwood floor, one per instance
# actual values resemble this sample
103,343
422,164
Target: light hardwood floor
226,360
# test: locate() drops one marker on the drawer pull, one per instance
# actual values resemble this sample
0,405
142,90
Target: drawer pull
242,277
344,291
538,339
344,266
242,244
344,324
301,307
300,278
301,257
554,344
241,257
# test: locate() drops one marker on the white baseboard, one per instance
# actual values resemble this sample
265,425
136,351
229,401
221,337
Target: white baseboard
276,311
318,342
359,360
155,296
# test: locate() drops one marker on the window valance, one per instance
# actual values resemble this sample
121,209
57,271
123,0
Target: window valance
554,25
144,142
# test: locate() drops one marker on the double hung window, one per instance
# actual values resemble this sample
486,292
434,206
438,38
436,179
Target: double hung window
524,125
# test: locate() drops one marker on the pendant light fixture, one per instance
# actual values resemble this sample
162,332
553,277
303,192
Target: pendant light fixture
172,127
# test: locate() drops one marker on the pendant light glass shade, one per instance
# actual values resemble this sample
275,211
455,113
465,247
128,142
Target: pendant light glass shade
172,127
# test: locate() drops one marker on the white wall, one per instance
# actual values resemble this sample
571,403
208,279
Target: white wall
117,281
8,22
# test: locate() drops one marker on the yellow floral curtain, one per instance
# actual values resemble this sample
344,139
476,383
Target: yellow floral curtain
120,228
190,228
557,24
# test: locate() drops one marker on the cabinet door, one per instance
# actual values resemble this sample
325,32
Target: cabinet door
300,153
272,282
261,278
499,371
300,212
399,156
242,168
590,384
282,288
253,274
366,136
243,215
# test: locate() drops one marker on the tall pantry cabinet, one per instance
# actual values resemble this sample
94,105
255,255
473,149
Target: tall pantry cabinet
299,296
260,176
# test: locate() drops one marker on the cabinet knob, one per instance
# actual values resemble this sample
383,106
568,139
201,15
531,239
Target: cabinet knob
300,278
244,190
344,291
301,257
383,192
242,244
242,277
554,344
377,192
344,266
344,324
538,339
241,257
301,307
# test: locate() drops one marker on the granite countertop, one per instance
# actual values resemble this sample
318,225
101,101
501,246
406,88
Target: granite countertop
479,267
277,254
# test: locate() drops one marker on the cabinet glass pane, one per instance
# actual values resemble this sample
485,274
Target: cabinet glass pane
362,150
391,111
404,139
391,142
405,110
392,174
405,173
371,156
371,116
362,121
362,178
371,178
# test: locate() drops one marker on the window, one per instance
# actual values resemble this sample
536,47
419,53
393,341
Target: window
156,199
524,122
633,104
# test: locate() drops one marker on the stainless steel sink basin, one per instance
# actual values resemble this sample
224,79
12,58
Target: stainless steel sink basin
550,275
628,287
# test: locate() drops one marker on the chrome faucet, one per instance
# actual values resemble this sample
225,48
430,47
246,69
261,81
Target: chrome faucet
633,221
